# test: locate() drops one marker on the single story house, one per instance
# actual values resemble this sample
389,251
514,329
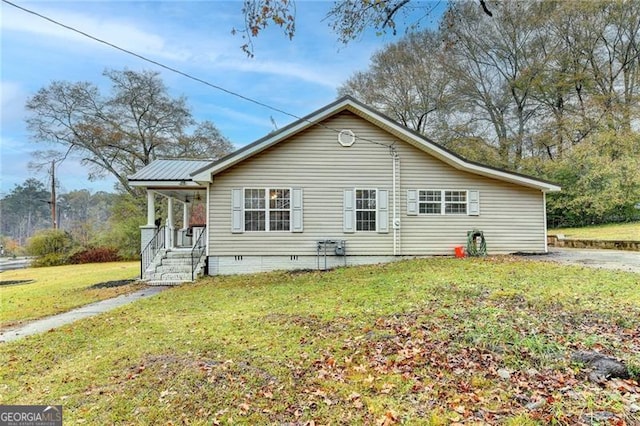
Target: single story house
344,185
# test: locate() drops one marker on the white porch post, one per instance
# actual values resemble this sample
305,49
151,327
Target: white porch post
148,231
184,239
169,235
185,215
151,208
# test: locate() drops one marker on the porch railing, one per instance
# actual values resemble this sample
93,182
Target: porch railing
197,251
150,251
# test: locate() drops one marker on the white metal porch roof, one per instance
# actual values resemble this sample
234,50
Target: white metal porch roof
167,171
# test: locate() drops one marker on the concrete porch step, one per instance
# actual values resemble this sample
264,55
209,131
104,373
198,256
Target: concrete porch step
177,254
170,277
173,267
176,269
164,283
177,261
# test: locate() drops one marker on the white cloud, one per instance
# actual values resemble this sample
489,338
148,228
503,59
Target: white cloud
297,76
310,73
13,98
217,50
118,32
242,117
14,157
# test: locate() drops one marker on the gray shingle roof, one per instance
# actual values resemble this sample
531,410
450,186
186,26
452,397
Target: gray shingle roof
169,170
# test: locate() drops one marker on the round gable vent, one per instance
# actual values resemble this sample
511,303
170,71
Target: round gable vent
346,137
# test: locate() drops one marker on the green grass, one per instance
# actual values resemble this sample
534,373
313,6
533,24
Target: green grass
616,231
55,289
418,342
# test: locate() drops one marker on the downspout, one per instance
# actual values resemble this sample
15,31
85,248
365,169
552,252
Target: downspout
208,225
544,214
396,173
396,222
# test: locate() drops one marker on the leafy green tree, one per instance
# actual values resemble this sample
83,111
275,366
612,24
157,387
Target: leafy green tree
123,232
600,180
51,246
25,210
85,215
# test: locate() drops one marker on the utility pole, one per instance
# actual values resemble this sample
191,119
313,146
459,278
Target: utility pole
53,194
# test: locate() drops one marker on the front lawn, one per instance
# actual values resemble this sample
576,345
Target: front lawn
430,341
614,231
32,293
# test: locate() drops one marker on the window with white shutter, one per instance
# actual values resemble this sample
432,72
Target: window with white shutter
266,209
412,202
366,210
443,202
474,203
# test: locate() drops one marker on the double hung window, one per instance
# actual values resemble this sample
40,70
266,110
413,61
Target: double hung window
267,209
430,202
366,209
443,202
455,202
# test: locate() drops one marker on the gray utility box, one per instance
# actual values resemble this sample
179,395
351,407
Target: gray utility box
329,247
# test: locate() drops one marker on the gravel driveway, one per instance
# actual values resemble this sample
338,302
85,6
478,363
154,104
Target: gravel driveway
606,259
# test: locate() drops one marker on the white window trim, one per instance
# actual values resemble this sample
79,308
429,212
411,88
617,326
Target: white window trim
349,211
267,218
443,202
419,202
355,209
466,202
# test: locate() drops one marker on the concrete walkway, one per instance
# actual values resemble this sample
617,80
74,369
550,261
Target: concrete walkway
46,324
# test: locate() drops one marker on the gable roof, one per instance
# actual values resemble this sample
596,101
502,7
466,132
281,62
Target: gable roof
347,103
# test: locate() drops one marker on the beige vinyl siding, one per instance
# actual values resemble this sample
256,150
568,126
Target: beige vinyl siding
314,161
511,216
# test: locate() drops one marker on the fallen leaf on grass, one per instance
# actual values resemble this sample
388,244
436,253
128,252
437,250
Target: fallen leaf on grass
387,388
389,418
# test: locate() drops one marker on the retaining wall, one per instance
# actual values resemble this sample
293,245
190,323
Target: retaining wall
560,241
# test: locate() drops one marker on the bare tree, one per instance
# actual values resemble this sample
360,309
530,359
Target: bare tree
119,133
404,81
495,63
348,18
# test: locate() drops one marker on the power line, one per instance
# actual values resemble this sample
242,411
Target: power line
179,72
144,58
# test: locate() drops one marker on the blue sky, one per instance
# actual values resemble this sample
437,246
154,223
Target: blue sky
297,76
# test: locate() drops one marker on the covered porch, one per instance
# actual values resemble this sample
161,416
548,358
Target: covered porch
178,232
176,217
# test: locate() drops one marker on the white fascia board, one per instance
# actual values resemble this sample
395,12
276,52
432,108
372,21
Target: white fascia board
165,184
513,178
206,176
461,164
